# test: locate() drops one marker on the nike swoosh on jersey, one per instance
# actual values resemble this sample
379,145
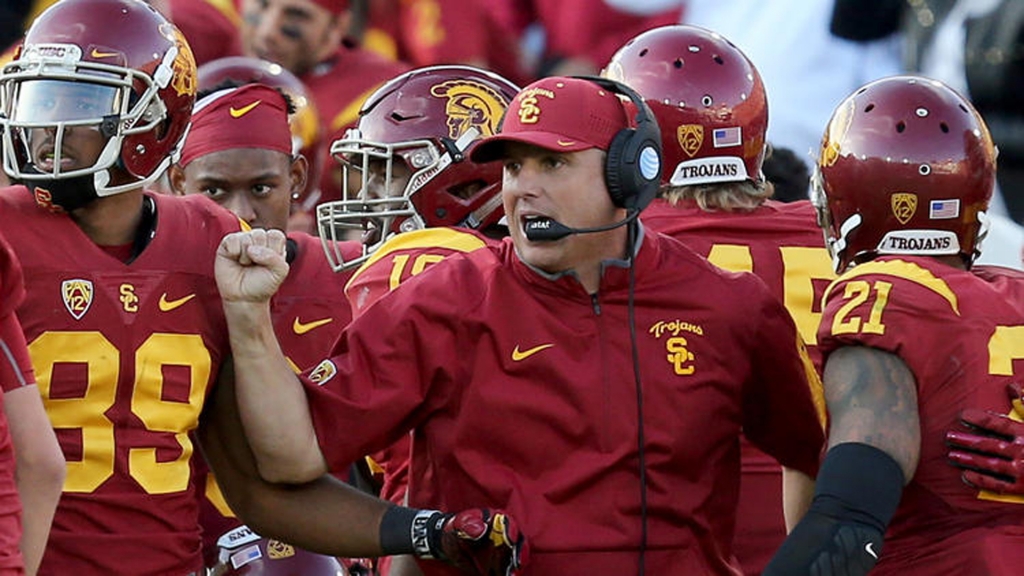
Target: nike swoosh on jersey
518,355
239,112
869,548
301,328
168,305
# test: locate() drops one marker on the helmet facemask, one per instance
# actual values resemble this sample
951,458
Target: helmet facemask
49,90
404,168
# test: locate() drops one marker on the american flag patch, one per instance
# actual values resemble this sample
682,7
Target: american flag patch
944,209
723,137
246,555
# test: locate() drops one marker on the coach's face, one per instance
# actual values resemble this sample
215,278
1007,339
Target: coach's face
567,187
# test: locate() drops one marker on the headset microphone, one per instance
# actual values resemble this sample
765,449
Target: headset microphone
549,230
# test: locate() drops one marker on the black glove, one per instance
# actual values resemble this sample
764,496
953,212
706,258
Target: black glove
477,540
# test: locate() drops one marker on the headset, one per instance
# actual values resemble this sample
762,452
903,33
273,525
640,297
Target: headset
632,168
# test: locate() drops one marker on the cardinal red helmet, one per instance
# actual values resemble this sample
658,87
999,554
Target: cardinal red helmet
113,65
423,122
708,99
907,166
307,138
242,552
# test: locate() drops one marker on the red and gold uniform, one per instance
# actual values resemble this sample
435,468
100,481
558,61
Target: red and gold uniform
125,355
962,336
783,246
520,389
339,86
404,256
210,26
399,259
309,311
432,32
592,31
15,371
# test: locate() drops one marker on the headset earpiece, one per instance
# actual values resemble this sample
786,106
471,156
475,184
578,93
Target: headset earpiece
633,163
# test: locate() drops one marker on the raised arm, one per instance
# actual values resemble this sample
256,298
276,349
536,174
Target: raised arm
250,267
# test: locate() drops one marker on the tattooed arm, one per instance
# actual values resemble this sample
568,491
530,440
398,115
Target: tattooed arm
872,399
873,450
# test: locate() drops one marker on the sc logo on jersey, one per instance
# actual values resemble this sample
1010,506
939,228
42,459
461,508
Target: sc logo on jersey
680,355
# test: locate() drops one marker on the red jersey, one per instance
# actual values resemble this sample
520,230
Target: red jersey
124,356
405,256
15,364
592,30
782,244
520,389
431,32
339,86
210,26
399,259
309,312
910,307
14,375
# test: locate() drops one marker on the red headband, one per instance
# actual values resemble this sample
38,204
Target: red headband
333,6
251,116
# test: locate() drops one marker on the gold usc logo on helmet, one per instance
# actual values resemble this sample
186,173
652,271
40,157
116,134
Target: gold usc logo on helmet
470,104
183,77
835,133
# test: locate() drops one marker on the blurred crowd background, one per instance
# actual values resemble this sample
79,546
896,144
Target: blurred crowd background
810,53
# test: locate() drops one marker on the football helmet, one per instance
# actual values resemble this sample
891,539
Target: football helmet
708,99
422,124
907,166
307,137
116,66
242,552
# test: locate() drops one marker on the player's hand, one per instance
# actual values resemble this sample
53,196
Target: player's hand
479,541
251,265
991,453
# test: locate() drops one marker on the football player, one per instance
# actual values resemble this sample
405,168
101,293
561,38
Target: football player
305,37
912,334
31,464
304,121
121,314
239,154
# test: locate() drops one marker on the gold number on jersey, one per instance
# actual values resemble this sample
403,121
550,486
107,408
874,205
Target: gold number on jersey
1005,346
857,292
88,412
801,266
400,261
